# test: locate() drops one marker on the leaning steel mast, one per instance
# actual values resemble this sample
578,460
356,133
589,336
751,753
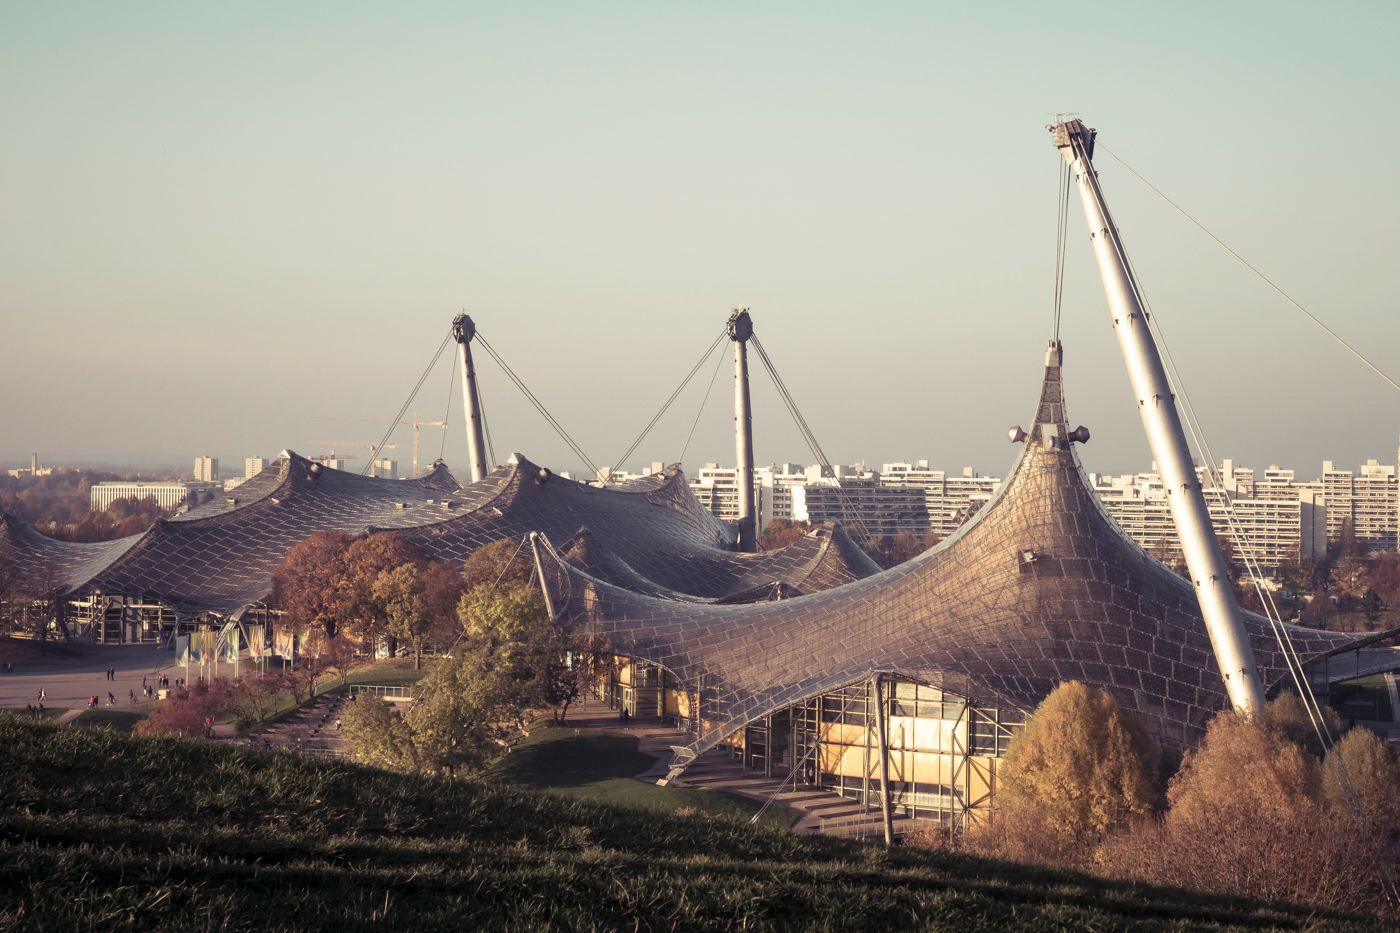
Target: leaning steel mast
1160,419
464,330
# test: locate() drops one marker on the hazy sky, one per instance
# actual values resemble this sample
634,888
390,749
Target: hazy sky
221,221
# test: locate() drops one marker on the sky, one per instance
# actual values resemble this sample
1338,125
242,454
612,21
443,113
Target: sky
223,223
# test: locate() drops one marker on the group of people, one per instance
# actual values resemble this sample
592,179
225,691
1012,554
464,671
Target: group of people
111,673
94,701
35,711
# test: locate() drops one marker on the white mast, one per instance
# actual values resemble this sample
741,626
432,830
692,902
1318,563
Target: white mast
1157,406
464,330
740,330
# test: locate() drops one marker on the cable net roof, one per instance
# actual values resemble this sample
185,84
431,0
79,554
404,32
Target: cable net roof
220,556
1041,586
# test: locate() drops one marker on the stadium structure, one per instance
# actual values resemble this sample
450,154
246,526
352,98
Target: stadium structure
807,662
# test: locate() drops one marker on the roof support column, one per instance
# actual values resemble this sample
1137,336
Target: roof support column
740,330
1157,405
464,330
881,728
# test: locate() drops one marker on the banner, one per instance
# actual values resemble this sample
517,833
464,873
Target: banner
311,647
182,649
257,642
284,644
199,642
228,643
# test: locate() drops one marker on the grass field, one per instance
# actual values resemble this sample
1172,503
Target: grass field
100,830
600,766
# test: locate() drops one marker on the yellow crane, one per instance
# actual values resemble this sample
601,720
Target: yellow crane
415,424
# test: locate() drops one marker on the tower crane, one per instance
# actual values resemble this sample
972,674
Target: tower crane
415,424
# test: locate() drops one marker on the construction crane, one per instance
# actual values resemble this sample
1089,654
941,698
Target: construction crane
415,424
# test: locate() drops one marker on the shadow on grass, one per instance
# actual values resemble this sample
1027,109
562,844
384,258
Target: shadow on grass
120,720
602,766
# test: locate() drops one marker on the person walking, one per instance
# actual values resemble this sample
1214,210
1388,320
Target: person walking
43,694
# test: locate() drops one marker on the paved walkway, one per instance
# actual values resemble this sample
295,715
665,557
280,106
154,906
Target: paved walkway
819,811
68,679
311,729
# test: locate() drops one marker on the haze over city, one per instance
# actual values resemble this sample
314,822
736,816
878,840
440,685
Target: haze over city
226,223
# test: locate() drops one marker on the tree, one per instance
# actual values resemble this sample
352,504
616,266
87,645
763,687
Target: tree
365,559
503,563
781,532
474,700
309,585
1361,774
1080,769
1385,577
401,594
1246,817
443,585
379,735
187,711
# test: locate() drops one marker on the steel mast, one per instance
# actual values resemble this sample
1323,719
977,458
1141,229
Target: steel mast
740,330
464,330
1157,406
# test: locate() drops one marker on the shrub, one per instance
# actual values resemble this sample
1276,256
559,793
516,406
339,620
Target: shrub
1080,769
1247,817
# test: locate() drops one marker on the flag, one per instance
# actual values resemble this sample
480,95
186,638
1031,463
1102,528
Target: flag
229,643
284,644
182,649
309,647
197,641
257,642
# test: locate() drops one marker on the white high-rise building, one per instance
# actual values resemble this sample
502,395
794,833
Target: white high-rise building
1366,499
386,469
206,469
252,466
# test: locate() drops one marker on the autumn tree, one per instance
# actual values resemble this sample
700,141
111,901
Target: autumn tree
443,585
309,585
1247,817
781,532
365,559
1080,769
1361,778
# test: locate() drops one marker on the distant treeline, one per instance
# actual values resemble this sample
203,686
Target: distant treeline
58,506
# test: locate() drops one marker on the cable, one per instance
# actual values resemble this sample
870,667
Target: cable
810,437
447,414
1062,221
701,410
394,422
621,462
539,406
1252,268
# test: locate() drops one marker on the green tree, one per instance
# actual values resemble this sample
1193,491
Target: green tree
401,595
1080,769
379,735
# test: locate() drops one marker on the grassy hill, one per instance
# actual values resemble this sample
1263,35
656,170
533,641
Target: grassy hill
101,830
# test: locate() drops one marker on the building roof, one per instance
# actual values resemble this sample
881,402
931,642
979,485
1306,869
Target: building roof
220,556
1039,587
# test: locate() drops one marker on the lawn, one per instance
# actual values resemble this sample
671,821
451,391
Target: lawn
107,831
600,766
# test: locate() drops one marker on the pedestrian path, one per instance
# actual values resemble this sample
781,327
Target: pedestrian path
310,730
